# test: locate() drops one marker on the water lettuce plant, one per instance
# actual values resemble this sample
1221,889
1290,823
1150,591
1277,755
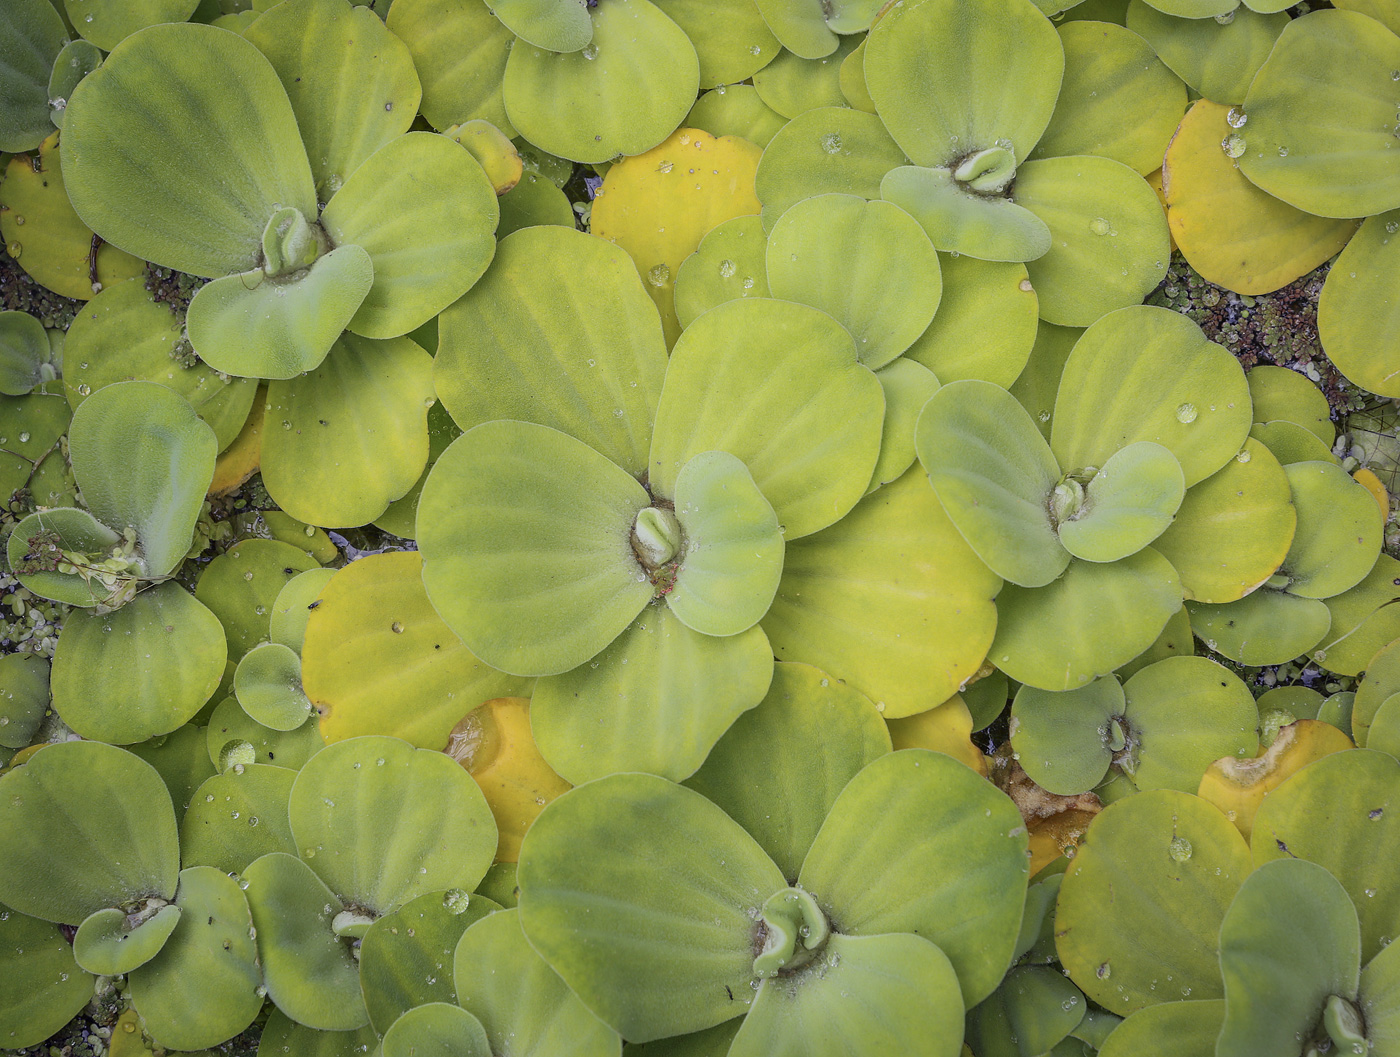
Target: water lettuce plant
655,528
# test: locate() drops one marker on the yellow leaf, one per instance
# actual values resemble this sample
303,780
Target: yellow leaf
1234,234
1369,481
493,149
659,205
241,459
1237,787
44,234
493,742
946,729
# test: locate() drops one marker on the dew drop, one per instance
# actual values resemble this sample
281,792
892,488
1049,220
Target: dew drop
1099,226
665,166
84,389
726,268
248,575
590,52
1186,414
1026,286
1233,145
1243,456
1180,849
1283,152
396,628
24,438
1104,971
831,142
659,275
1236,118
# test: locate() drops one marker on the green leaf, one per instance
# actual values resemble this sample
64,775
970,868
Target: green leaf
623,94
87,826
1168,863
123,335
350,81
1321,116
908,386
532,567
906,641
559,332
1288,942
41,420
242,584
1217,59
310,972
459,49
41,986
878,994
996,478
1291,443
1340,812
731,48
267,683
202,209
408,821
735,110
205,985
1264,627
406,956
1148,373
1353,314
780,767
377,659
1031,1012
138,671
24,352
519,1000
238,816
950,77
181,760
1118,100
791,83
1184,713
30,554
811,444
1064,737
103,944
281,1035
800,27
1109,243
1380,982
24,697
77,59
143,459
1171,1029
865,263
1127,504
259,327
554,25
286,749
437,1029
1364,619
1233,529
295,602
831,149
730,263
1093,619
985,227
425,212
107,22
993,300
960,883
658,700
350,437
732,553
32,34
1339,531
648,944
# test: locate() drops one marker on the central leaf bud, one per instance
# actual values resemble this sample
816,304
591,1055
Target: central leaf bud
1066,500
794,930
290,242
656,537
987,172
